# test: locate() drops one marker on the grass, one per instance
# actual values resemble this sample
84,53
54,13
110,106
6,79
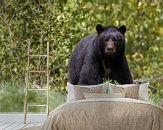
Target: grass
156,100
12,98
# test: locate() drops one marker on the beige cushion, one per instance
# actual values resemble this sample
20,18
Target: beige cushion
80,90
130,90
78,93
103,95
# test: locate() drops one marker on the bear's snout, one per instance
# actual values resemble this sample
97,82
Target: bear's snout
110,48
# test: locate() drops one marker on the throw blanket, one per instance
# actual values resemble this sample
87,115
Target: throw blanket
105,114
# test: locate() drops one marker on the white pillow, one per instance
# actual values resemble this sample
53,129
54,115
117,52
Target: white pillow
143,92
71,92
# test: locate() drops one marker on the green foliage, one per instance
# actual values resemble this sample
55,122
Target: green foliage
155,99
12,98
64,23
110,81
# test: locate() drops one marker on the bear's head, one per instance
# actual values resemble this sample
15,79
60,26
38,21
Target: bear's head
111,40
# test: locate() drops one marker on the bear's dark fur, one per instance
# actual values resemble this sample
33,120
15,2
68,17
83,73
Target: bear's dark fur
100,56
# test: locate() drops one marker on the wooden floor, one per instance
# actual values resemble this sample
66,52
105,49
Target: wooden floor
15,121
17,126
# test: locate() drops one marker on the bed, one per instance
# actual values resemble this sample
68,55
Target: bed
105,113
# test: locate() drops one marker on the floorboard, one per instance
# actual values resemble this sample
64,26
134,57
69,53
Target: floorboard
5,126
18,126
11,127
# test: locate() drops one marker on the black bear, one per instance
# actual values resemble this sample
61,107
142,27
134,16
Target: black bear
100,56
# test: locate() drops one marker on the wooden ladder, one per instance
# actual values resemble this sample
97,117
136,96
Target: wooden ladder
30,87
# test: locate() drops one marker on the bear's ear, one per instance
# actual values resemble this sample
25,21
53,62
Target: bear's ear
99,28
122,29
